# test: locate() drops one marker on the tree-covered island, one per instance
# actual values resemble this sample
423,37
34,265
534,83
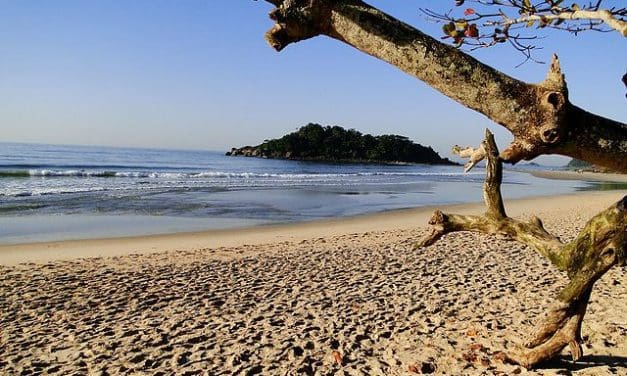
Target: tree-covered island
315,142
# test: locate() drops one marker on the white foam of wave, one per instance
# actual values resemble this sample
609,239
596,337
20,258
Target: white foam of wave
153,180
232,175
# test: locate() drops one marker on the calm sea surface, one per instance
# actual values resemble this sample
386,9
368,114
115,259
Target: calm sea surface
50,192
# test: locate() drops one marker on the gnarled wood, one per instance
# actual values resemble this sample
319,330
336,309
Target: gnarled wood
539,116
600,245
474,155
495,221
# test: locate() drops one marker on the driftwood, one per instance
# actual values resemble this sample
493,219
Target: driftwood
599,246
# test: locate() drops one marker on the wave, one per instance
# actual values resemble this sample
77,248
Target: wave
63,166
90,174
208,174
52,173
25,183
119,192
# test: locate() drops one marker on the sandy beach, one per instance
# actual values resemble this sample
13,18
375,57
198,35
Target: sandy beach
581,175
343,297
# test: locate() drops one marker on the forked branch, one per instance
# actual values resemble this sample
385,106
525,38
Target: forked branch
495,220
487,23
600,245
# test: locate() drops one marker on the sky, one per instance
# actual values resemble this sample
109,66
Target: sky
197,74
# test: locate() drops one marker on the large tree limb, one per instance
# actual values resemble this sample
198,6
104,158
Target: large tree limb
539,116
600,245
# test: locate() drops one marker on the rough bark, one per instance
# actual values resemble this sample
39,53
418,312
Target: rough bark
600,245
495,220
540,116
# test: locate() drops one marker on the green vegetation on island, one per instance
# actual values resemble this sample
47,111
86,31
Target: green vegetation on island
579,165
576,164
315,142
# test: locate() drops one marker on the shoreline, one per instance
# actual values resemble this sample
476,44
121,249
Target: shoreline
583,176
399,219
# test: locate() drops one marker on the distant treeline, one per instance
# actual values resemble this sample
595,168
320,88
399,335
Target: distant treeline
578,164
335,144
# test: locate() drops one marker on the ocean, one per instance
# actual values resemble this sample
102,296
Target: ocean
52,192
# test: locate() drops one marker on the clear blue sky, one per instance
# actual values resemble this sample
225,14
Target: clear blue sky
198,74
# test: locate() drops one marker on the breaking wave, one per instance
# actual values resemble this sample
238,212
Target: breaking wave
207,174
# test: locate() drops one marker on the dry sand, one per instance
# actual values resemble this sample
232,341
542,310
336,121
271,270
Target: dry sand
342,297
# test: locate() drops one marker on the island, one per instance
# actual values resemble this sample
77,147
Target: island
314,142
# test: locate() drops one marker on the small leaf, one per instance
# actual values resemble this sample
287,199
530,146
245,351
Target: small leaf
337,357
530,23
575,7
461,24
469,356
500,356
469,11
472,31
449,29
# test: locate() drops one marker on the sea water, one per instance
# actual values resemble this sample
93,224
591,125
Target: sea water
51,192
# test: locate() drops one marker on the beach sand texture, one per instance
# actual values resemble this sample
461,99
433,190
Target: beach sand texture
348,303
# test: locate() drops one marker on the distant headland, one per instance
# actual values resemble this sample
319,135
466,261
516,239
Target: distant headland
315,142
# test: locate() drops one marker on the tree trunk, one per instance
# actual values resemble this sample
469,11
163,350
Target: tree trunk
542,121
539,116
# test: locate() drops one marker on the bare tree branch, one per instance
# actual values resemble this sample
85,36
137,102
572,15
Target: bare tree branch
539,116
482,26
603,16
600,245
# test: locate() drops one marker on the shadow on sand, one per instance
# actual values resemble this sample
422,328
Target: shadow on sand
615,363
